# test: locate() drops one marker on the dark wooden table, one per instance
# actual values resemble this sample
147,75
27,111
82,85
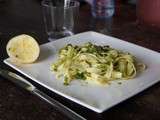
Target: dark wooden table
25,16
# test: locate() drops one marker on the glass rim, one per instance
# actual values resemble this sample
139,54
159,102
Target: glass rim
77,4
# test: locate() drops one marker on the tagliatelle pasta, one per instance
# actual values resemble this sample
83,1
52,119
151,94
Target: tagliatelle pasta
95,64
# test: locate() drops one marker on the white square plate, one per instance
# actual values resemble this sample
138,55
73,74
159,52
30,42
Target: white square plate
97,98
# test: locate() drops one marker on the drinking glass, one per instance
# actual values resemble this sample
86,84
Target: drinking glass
60,20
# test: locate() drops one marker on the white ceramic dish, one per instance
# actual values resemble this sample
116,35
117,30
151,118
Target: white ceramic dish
97,98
